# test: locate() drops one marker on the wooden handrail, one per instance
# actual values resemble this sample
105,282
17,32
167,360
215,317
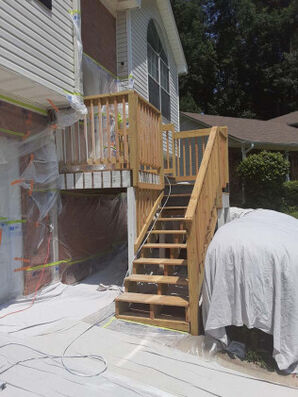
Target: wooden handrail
201,214
149,219
197,190
192,133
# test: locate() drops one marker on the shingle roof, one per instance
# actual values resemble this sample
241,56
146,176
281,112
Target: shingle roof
251,130
290,118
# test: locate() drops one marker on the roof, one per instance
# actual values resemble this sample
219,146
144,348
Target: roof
251,130
290,119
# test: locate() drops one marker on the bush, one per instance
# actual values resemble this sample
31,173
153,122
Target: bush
291,193
263,175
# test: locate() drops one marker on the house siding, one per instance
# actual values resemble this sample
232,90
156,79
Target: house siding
139,19
122,55
39,43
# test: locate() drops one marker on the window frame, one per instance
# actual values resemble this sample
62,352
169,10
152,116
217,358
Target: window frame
159,82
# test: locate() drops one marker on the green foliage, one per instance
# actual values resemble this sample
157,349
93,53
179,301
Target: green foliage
263,175
291,193
242,56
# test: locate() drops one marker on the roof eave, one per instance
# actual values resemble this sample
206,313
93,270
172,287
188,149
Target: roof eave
168,18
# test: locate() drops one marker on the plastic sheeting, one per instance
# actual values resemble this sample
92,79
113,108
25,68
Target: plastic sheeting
251,278
96,79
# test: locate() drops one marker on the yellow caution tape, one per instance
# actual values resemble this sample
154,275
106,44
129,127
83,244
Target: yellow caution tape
23,105
12,132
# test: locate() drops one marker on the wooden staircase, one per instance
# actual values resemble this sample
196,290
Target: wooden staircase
167,274
161,270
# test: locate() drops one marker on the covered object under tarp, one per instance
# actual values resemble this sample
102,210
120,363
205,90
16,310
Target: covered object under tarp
251,278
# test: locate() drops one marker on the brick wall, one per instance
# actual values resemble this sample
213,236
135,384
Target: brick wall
99,34
90,225
35,237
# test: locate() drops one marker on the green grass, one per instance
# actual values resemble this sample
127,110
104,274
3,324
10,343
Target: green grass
293,211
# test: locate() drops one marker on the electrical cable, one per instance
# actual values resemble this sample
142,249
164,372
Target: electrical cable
153,225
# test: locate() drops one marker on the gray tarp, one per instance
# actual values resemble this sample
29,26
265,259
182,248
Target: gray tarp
251,278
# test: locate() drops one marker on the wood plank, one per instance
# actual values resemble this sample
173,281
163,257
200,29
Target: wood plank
168,231
182,219
144,278
92,131
193,133
161,261
150,299
178,325
178,207
165,245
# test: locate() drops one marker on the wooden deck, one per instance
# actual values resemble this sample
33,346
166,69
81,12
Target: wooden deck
122,143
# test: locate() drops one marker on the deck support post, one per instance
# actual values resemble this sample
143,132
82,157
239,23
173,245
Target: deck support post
131,225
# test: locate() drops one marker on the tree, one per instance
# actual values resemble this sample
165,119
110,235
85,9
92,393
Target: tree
242,56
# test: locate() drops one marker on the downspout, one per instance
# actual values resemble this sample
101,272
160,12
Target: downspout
244,153
288,173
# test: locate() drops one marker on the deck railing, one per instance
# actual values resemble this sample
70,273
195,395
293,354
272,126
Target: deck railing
183,152
121,131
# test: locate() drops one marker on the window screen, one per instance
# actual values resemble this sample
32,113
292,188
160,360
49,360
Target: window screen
47,3
158,72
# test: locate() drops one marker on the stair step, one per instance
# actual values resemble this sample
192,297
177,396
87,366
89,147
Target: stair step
143,278
178,207
180,195
179,325
182,219
168,231
165,245
150,299
161,261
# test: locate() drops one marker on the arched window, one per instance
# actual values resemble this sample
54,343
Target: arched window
158,72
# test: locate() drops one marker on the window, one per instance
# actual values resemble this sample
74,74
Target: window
47,3
158,72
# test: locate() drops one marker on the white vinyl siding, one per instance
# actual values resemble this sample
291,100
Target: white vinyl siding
122,56
140,18
39,43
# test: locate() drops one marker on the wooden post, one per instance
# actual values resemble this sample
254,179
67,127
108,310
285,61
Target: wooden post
161,172
194,276
131,225
133,136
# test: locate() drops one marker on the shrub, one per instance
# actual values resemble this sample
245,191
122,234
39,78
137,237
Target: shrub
263,175
291,193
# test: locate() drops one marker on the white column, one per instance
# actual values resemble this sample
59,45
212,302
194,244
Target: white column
131,225
55,243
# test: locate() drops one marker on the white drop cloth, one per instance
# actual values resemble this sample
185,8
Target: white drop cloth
251,278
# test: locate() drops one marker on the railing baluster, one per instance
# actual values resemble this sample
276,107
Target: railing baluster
116,129
86,137
197,155
184,157
100,131
190,156
126,156
92,130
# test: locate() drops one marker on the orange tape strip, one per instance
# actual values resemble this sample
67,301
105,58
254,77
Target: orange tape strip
17,181
22,259
53,105
31,188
